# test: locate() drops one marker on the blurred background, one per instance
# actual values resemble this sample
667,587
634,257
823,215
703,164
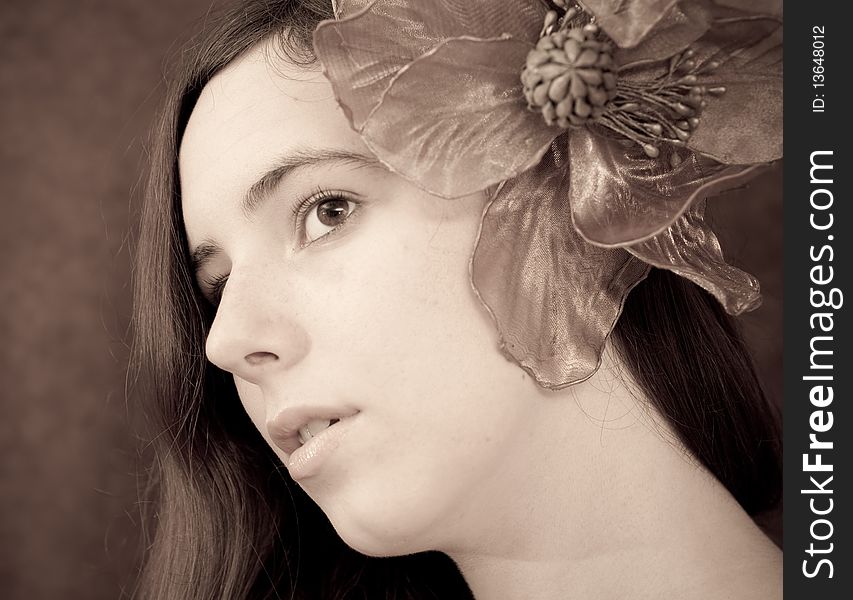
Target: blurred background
79,85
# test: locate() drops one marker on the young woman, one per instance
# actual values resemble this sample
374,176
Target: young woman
346,404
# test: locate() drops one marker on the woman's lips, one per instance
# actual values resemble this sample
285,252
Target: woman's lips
308,459
284,428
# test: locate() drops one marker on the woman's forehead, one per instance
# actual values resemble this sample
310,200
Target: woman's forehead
259,103
252,115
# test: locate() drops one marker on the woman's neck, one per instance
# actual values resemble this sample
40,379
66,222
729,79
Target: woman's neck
611,509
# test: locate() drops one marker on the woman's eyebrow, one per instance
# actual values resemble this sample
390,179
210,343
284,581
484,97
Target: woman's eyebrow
308,157
262,188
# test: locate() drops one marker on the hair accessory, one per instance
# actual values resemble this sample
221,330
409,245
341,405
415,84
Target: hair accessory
598,133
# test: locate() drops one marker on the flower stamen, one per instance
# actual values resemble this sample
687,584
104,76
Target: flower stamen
571,78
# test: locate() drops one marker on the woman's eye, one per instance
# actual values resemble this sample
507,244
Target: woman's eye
326,216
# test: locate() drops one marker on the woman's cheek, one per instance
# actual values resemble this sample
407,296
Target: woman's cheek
412,324
256,407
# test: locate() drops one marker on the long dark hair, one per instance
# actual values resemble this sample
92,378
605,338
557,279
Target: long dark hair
227,522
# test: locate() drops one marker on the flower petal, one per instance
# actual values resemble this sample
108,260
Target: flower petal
554,297
627,22
764,7
744,125
362,51
690,249
346,8
681,26
619,196
454,121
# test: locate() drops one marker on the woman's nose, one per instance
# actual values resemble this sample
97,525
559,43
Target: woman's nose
255,335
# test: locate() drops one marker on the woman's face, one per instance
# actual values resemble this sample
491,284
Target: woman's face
347,289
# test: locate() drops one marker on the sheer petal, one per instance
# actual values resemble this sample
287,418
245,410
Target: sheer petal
346,8
632,23
454,120
627,22
554,297
684,24
744,124
764,7
362,51
690,249
619,196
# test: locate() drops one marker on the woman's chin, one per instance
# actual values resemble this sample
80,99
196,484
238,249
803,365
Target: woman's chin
381,538
385,528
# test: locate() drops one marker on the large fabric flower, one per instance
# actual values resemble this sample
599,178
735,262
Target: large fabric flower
577,214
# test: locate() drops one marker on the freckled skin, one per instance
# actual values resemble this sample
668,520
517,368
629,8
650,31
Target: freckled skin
379,317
